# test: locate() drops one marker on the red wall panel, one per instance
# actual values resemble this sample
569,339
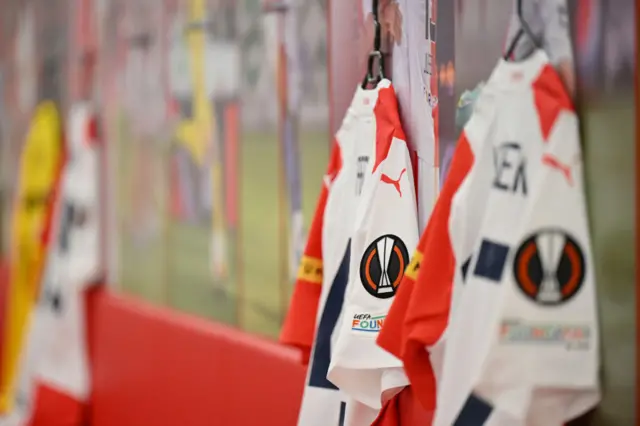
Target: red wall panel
153,367
156,367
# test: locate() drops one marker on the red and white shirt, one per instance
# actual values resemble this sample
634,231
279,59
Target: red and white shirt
448,326
54,378
529,296
364,228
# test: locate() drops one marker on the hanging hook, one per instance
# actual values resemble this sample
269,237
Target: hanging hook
375,55
377,27
524,29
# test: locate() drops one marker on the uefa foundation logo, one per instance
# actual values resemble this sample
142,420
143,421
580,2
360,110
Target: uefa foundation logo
367,323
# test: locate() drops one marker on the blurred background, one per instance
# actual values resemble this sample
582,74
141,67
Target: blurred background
211,163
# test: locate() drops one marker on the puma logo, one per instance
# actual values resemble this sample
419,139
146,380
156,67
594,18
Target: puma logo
395,182
555,163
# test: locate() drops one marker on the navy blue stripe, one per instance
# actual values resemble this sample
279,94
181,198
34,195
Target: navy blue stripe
343,411
332,307
475,412
66,222
491,260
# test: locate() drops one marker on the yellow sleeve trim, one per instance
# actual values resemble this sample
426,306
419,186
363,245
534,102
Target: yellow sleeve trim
414,266
310,270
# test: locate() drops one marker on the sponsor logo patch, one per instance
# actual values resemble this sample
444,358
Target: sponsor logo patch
367,323
549,267
382,266
310,270
571,336
414,266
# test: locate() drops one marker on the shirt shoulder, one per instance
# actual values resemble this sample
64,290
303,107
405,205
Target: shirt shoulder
388,125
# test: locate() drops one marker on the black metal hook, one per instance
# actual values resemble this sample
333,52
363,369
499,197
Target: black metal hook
524,29
376,54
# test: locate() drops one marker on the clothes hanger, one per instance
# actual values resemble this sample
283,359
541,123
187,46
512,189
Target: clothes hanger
524,30
375,54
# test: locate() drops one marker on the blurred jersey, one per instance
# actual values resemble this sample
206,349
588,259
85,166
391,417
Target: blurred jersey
365,223
40,164
521,114
54,369
528,296
406,24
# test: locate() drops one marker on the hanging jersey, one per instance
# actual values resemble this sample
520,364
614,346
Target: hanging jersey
41,161
324,270
528,295
407,23
450,251
54,378
386,230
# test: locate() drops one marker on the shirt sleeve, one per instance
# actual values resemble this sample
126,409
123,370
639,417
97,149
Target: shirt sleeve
386,229
299,325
